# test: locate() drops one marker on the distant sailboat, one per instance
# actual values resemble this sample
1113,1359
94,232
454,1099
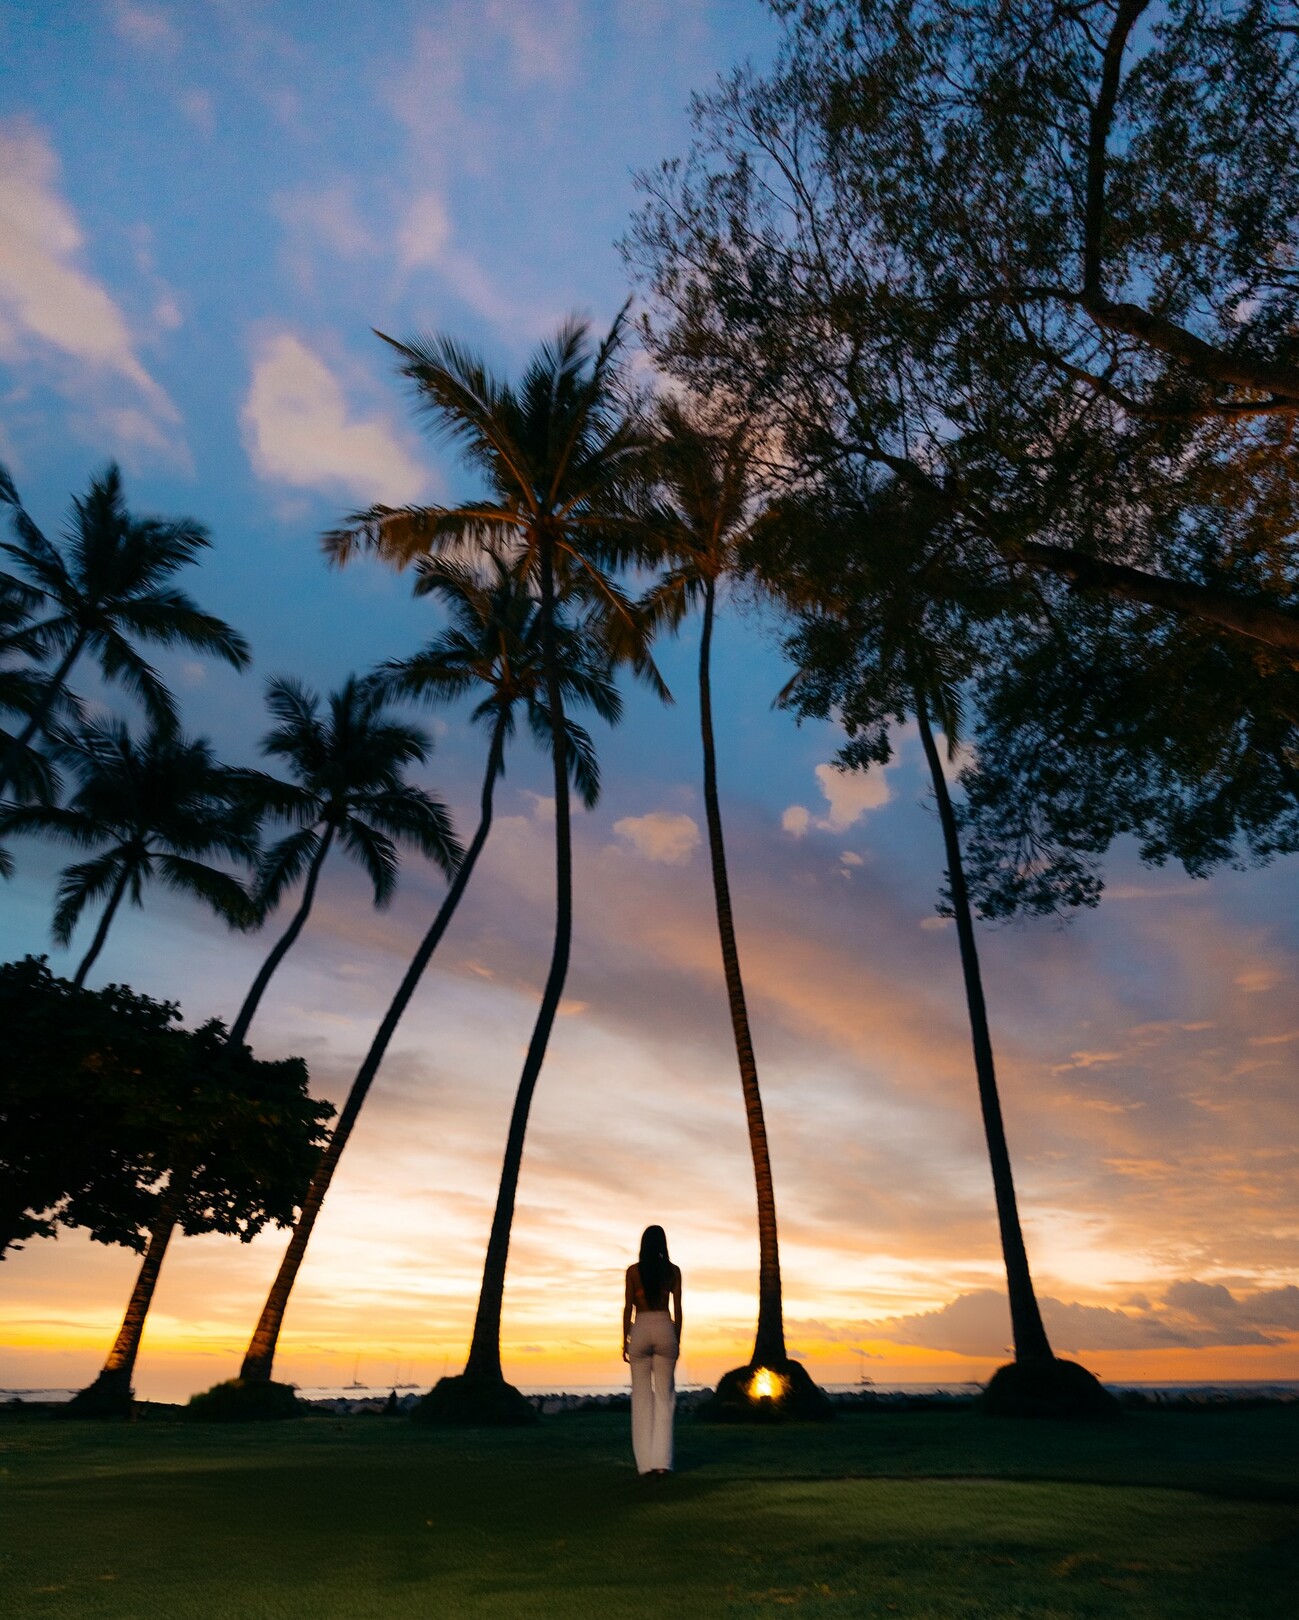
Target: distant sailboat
356,1384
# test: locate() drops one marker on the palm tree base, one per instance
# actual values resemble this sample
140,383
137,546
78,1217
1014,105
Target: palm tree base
237,1401
1048,1389
473,1402
110,1396
742,1396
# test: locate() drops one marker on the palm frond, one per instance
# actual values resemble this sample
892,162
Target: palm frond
121,663
468,407
64,824
81,884
39,559
226,896
579,751
171,619
266,795
375,853
282,865
401,535
409,814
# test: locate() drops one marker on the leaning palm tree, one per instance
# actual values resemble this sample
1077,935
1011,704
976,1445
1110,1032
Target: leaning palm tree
562,456
107,588
154,808
492,646
348,767
348,787
932,694
707,480
1036,1383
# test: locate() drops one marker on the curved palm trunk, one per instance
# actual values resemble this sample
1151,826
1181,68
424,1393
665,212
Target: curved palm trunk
260,1358
113,1386
24,738
1031,1343
484,1359
105,922
115,1379
769,1344
239,1029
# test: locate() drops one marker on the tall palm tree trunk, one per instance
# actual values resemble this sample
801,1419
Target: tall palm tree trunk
484,1359
105,923
239,1029
112,1388
24,738
115,1381
260,1358
769,1344
1031,1343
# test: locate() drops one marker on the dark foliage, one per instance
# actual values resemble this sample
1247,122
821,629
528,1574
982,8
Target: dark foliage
105,1102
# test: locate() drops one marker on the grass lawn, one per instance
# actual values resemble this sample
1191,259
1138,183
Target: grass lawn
946,1516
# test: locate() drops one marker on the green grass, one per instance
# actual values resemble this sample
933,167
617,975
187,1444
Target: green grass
945,1516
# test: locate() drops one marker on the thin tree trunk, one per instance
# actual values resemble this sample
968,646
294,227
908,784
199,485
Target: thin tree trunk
239,1029
484,1359
105,922
115,1378
23,740
1031,1343
260,1358
769,1344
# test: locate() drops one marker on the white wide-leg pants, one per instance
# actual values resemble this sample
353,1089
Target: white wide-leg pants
653,1355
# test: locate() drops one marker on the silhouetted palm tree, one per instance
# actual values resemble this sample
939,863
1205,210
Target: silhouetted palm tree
708,481
932,692
348,785
493,645
23,692
105,590
562,456
151,809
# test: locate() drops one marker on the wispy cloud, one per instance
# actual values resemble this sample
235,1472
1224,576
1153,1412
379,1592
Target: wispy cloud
50,302
146,27
424,233
323,218
299,430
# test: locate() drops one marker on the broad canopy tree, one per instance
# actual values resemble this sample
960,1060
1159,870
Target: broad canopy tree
1036,261
1027,273
119,1121
77,1093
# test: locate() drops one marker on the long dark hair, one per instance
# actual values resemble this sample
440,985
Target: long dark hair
655,1266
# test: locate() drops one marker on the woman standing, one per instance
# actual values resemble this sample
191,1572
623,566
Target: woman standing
651,1344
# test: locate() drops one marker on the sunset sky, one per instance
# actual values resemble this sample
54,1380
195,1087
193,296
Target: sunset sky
204,208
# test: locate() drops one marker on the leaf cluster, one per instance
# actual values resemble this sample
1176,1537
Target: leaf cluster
105,1102
1008,293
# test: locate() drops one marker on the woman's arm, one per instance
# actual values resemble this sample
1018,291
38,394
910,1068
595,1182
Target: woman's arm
626,1316
676,1302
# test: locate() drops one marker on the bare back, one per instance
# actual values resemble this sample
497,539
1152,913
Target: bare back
636,1291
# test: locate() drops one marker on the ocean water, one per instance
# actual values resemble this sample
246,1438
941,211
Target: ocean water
1222,1390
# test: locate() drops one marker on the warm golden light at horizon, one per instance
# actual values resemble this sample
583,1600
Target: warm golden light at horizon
1158,1207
